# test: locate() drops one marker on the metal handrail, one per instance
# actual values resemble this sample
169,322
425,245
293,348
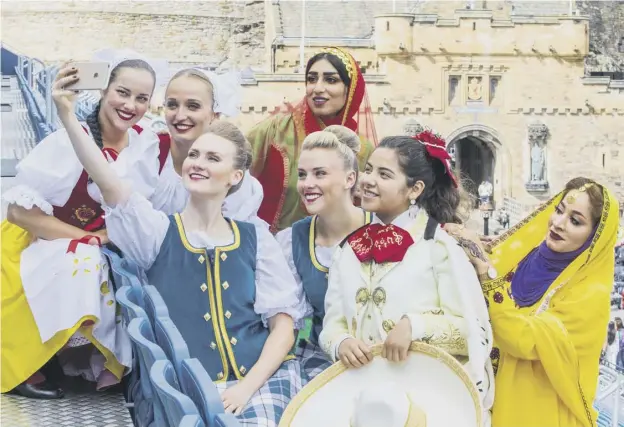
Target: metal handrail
36,81
614,377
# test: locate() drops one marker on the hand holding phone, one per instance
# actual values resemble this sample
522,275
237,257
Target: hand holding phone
91,76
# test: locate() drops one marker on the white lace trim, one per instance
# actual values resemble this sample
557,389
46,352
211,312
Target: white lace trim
26,197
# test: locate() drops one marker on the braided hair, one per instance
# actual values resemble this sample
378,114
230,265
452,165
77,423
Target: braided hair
92,120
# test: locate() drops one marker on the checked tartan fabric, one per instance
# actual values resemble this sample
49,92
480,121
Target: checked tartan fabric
267,405
312,359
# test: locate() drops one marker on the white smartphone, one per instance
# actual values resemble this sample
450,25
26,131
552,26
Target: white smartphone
92,76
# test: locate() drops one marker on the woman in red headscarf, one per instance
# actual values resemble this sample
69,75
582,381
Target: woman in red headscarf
335,95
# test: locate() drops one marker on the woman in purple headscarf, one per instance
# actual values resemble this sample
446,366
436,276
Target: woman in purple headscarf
548,285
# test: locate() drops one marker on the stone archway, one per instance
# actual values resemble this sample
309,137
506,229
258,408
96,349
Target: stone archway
478,154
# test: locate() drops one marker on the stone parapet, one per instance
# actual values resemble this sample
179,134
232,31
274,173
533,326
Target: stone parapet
477,32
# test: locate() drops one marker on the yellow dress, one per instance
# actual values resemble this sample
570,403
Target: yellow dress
47,178
22,352
546,356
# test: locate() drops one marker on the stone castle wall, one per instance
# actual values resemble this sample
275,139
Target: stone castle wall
181,31
538,63
606,34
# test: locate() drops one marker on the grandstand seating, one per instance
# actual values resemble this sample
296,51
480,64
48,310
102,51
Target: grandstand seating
178,388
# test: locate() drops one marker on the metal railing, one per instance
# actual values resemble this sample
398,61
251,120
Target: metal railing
33,79
35,82
609,399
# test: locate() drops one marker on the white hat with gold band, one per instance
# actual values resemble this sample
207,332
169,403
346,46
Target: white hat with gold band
430,389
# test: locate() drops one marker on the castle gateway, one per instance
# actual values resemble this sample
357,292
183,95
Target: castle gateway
506,89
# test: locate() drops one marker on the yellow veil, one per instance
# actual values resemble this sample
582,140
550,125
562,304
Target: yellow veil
578,299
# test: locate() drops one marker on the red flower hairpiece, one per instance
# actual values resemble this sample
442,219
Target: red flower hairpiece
436,147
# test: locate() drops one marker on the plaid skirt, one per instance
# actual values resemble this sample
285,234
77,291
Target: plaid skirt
313,360
267,405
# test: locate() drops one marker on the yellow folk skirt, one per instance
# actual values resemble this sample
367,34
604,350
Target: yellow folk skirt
21,351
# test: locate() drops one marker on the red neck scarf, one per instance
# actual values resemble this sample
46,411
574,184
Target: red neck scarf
380,243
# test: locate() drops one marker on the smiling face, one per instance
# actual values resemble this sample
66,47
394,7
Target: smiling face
126,99
323,180
188,107
326,93
383,186
208,169
571,224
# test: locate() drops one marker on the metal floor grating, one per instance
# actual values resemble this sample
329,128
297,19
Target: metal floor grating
81,407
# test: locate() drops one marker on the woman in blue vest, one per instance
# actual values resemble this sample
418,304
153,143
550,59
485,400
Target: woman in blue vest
327,180
226,285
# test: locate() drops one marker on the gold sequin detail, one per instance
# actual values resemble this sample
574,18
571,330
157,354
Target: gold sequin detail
379,296
213,345
243,370
233,341
445,336
387,325
225,285
220,376
203,287
201,259
223,256
362,296
228,314
207,317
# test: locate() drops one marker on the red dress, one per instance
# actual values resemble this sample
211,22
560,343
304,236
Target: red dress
81,210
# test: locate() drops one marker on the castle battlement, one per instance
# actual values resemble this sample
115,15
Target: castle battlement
479,32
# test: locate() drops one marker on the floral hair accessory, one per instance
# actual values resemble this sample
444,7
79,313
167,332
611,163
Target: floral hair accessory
436,147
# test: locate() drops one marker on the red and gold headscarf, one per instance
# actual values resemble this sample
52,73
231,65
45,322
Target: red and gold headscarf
356,113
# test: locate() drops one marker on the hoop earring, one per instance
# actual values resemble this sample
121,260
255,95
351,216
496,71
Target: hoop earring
413,209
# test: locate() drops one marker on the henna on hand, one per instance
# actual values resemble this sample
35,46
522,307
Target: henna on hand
472,248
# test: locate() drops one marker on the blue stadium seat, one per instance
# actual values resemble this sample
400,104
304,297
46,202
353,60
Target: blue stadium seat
191,421
168,337
176,404
227,420
197,384
130,299
154,304
142,335
121,276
